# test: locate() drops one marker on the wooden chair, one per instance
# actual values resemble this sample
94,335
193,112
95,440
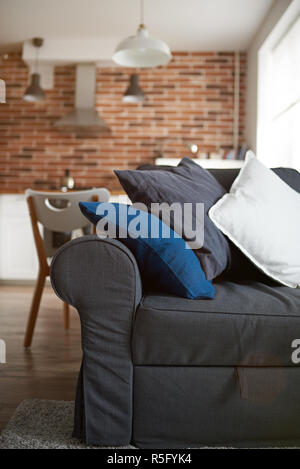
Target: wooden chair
57,212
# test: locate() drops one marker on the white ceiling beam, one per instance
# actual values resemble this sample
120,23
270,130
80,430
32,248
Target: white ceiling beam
63,51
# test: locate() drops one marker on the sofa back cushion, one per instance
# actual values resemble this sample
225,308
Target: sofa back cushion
240,267
226,177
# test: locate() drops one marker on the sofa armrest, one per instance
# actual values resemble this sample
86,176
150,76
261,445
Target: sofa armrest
100,278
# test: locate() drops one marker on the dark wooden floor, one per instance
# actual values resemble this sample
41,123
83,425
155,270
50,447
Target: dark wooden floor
49,369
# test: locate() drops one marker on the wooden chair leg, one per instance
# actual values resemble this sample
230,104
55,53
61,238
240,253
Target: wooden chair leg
66,316
34,309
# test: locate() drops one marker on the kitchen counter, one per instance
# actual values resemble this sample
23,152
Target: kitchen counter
6,190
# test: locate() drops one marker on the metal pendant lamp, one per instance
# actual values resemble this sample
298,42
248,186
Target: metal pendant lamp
34,91
134,93
141,50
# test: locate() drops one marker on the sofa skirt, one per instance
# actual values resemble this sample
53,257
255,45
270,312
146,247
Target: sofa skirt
186,407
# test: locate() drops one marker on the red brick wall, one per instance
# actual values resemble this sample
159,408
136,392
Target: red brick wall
189,100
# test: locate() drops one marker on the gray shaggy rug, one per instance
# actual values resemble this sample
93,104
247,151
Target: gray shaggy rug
40,424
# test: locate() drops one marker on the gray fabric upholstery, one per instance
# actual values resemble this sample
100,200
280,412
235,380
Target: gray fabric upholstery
183,407
101,279
249,324
227,376
227,176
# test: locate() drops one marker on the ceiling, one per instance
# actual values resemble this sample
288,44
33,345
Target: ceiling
184,24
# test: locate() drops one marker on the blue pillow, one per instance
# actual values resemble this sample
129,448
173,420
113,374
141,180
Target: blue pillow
164,262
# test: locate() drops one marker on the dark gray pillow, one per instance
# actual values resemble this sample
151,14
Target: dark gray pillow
185,183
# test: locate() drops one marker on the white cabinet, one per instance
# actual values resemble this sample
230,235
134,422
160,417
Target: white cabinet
18,258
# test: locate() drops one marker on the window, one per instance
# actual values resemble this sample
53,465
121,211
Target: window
279,100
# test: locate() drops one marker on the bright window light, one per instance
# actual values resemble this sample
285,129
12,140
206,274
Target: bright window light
279,109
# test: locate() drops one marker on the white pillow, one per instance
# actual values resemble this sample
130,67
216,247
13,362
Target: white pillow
261,216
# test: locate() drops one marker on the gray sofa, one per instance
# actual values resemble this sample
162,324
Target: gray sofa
165,372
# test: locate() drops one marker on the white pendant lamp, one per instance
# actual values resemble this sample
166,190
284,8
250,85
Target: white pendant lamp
141,50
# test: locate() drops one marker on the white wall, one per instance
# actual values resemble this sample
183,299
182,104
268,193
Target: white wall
277,10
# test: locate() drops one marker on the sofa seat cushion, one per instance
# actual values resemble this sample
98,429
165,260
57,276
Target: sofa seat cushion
247,323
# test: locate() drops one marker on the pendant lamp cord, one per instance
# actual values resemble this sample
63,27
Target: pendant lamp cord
37,42
142,11
37,60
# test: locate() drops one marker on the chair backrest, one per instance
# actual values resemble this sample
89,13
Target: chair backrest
59,211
